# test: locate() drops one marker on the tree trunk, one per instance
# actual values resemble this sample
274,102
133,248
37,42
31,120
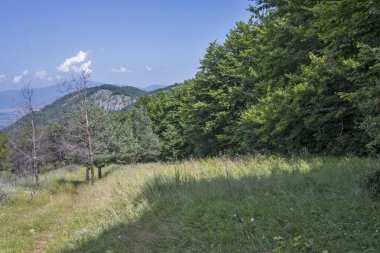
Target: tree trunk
92,175
100,171
87,174
89,141
34,145
37,177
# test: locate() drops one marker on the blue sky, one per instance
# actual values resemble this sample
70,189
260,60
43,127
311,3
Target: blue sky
128,42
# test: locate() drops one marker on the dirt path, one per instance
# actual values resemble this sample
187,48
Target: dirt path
64,208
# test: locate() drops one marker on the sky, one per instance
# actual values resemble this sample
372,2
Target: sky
125,42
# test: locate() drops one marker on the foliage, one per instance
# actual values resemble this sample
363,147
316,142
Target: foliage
164,110
122,146
55,139
372,183
365,72
298,75
149,146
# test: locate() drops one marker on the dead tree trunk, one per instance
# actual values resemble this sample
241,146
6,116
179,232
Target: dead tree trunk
35,169
84,125
88,134
32,154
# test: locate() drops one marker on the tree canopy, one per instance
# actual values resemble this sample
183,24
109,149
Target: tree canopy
298,75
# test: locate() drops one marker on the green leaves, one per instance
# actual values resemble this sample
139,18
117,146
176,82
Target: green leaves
299,74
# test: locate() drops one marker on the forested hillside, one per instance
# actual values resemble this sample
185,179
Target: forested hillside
300,75
87,126
108,97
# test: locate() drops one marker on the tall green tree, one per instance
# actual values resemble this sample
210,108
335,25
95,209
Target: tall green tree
149,146
122,146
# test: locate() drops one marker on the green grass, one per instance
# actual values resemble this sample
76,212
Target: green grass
257,204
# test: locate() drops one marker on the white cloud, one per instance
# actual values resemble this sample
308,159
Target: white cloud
2,78
18,78
121,70
41,74
69,63
148,68
86,67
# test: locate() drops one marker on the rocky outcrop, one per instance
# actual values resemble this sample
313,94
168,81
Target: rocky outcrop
106,100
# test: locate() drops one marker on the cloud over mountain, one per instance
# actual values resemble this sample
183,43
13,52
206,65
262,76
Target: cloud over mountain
121,70
18,78
69,64
41,74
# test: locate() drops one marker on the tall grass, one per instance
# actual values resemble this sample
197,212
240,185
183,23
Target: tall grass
250,204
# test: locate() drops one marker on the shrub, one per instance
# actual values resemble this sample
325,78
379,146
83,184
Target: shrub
372,183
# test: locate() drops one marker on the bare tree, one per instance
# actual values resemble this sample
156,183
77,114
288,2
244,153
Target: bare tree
27,139
82,133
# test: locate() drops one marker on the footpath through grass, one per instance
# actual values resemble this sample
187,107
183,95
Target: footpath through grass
258,204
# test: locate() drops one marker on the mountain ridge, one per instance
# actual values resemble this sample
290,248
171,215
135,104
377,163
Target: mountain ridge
108,97
42,97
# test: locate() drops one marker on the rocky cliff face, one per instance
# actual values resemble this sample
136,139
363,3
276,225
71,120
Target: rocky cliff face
111,102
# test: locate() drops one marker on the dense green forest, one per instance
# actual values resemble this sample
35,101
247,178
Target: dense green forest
299,75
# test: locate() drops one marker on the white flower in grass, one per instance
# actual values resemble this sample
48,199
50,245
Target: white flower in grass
252,219
82,231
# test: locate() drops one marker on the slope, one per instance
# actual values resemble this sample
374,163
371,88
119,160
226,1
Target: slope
108,97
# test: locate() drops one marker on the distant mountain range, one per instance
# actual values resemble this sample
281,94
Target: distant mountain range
165,88
6,118
154,87
110,97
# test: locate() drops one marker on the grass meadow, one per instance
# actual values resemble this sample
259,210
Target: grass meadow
246,204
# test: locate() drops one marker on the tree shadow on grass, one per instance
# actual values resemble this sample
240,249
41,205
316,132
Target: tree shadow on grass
119,238
74,183
110,170
78,182
283,212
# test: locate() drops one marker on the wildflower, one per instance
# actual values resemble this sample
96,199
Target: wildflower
82,231
252,219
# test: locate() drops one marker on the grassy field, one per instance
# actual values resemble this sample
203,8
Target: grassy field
257,204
